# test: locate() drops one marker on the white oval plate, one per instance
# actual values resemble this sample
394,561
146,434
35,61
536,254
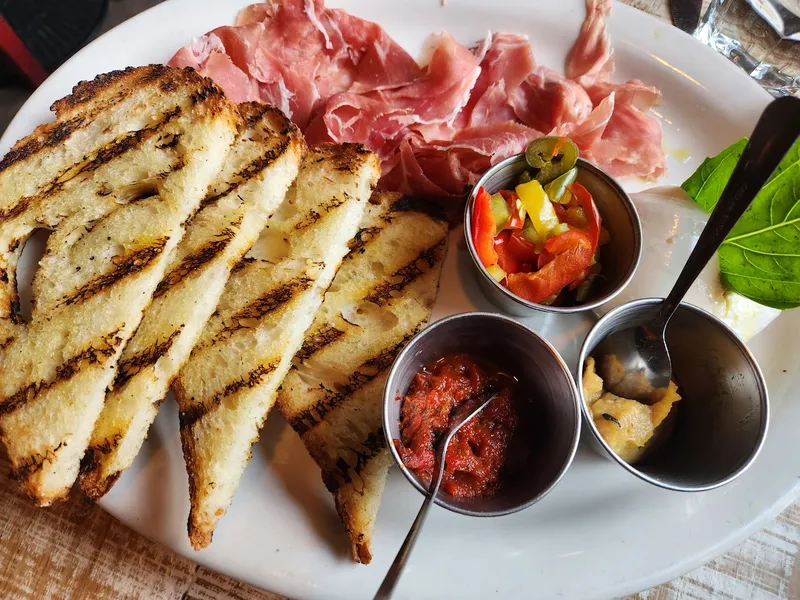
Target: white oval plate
602,532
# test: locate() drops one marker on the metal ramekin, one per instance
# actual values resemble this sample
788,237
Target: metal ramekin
619,258
721,421
539,367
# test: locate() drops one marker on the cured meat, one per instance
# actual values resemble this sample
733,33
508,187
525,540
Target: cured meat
632,92
382,119
590,131
436,128
546,100
297,54
630,144
590,57
619,136
506,60
443,168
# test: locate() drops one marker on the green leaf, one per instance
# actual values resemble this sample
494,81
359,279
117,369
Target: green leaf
760,258
706,184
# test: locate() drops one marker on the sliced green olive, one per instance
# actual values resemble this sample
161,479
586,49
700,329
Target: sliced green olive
525,177
552,156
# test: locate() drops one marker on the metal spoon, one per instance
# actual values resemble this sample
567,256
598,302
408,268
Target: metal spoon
642,348
460,417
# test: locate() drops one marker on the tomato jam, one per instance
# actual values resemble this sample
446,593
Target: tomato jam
480,452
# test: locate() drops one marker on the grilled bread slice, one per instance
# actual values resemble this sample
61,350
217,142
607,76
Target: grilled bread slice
127,160
332,396
260,167
230,382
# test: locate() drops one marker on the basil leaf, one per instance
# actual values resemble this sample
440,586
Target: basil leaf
760,258
706,184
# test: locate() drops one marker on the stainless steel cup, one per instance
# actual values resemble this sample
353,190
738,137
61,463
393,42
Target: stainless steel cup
541,372
619,258
721,421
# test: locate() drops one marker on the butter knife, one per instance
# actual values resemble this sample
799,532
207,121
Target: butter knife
686,14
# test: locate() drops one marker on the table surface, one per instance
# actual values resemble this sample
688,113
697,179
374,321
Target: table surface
74,550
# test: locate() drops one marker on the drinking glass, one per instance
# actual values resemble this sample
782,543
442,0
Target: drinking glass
760,37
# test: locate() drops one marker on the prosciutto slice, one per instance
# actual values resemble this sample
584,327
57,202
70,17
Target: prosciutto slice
621,136
435,127
546,100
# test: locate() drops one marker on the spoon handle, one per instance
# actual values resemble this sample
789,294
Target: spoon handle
775,132
463,415
393,574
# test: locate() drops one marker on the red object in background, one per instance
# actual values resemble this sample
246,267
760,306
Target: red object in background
19,54
37,36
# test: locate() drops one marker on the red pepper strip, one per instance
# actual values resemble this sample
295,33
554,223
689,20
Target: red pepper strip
565,241
505,259
593,227
573,253
586,202
483,227
522,249
517,220
560,211
544,258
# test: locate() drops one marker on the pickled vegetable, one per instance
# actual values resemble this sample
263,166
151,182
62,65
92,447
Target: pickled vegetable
551,157
541,240
500,212
496,272
483,229
557,189
540,210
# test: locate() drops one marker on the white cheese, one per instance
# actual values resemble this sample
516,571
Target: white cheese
671,225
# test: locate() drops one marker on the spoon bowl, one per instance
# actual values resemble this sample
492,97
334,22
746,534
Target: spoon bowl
645,356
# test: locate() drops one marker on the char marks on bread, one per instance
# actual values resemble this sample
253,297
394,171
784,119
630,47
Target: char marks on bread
261,165
333,395
230,382
126,162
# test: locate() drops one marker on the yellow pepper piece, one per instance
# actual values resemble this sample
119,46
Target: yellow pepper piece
496,272
539,208
560,228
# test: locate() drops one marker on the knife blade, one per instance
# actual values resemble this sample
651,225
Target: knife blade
685,14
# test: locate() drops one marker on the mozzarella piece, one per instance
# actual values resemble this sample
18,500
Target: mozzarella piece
671,225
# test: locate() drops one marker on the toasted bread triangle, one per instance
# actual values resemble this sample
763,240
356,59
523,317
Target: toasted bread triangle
126,162
381,296
257,173
229,384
